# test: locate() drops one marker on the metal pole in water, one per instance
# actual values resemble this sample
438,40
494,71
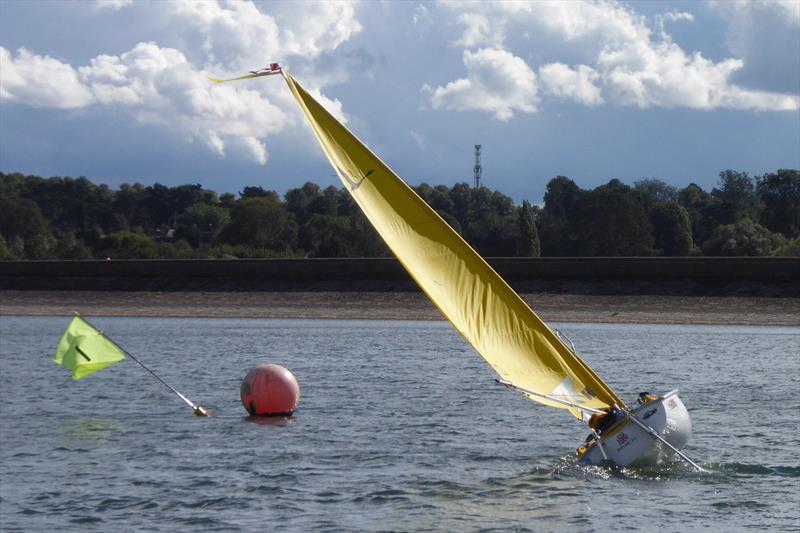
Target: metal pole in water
197,408
599,443
655,435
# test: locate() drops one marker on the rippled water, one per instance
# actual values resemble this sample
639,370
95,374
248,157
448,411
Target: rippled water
400,427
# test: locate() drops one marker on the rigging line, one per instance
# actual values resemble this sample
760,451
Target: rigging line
551,398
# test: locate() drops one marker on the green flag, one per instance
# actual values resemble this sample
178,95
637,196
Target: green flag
84,350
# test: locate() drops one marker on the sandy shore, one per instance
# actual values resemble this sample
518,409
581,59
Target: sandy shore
645,309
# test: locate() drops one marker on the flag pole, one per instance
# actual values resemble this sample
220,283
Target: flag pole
198,409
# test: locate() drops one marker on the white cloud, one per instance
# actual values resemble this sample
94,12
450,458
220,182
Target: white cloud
215,143
421,15
157,85
766,36
479,31
234,37
627,62
255,148
113,5
789,10
162,85
678,15
574,84
671,16
497,82
577,20
40,81
314,28
238,35
419,139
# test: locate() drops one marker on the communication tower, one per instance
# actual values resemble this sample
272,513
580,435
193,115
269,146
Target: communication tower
477,168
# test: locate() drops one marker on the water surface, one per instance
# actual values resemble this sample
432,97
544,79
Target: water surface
400,427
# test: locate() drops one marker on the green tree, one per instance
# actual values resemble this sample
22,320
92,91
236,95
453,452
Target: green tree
254,192
179,249
12,184
461,198
742,238
23,225
737,196
561,197
158,208
261,222
155,208
129,205
491,226
791,248
227,200
326,236
555,223
16,248
68,247
299,201
700,206
201,223
369,243
779,192
332,202
657,189
672,229
528,236
71,204
129,245
5,251
183,196
610,221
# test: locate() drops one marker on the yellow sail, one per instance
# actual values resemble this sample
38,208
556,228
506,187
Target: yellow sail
468,292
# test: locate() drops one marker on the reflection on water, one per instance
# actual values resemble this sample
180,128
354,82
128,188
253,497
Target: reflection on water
400,427
269,420
92,429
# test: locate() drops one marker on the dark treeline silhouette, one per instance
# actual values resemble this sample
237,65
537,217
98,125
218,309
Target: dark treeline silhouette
67,218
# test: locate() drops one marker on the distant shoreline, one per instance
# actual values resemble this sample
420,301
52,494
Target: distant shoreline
400,305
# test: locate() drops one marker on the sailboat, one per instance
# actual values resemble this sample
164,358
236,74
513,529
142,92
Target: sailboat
528,356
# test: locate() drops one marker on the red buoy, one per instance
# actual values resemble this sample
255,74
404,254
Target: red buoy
270,390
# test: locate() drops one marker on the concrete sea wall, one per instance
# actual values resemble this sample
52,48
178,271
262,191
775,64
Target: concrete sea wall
629,275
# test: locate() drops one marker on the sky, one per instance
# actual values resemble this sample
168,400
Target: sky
117,90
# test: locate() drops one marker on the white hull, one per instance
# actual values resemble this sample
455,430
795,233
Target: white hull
628,444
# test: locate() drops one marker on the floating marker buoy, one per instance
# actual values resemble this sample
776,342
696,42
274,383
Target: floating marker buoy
270,390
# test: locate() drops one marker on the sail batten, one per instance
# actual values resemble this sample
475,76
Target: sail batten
461,284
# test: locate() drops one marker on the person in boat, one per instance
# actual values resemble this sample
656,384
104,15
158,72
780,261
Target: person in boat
646,397
601,422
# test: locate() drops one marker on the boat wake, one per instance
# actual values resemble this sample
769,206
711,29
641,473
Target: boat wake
747,470
568,466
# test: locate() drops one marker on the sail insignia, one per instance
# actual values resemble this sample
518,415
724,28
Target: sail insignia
353,184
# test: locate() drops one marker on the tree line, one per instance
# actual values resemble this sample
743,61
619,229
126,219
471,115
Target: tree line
74,218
